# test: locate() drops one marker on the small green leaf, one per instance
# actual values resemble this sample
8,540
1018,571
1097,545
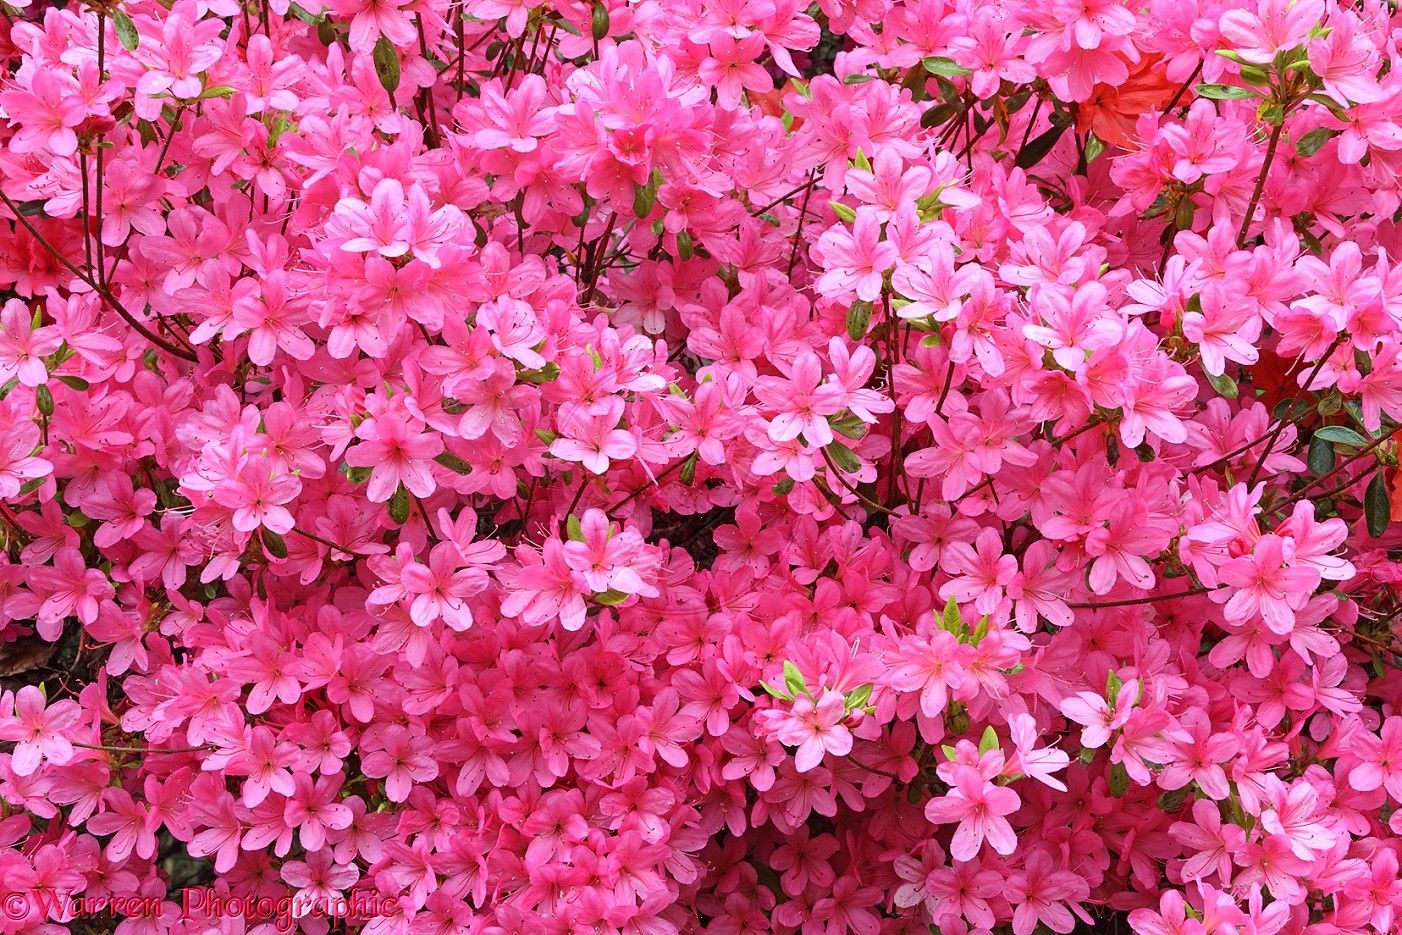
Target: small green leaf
1313,141
793,679
688,471
1321,457
75,383
126,30
842,211
989,740
1119,780
1038,147
858,79
858,320
273,543
784,487
398,505
599,22
386,59
1376,508
611,598
573,530
545,374
44,400
1094,148
937,116
949,752
644,197
453,463
1225,92
947,67
952,620
849,426
1173,801
858,697
1341,435
1223,384
777,693
304,15
844,457
980,631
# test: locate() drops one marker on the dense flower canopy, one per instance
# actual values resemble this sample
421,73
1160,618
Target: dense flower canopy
661,466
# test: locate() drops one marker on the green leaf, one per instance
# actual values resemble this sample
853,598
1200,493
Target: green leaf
44,400
398,505
75,383
1225,92
599,22
1340,434
304,15
793,679
1223,384
1094,148
1255,74
949,752
688,471
937,115
784,487
546,436
1321,457
386,59
1038,147
126,30
980,631
273,543
777,693
858,697
453,463
611,598
858,79
1173,801
1313,141
1376,508
989,740
644,197
849,426
356,475
952,620
941,65
842,211
844,457
573,530
545,374
858,320
1119,780
76,520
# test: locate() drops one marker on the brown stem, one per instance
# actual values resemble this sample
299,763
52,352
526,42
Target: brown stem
1260,184
1130,602
101,290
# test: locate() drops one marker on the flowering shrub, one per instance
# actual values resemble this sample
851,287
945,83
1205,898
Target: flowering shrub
702,465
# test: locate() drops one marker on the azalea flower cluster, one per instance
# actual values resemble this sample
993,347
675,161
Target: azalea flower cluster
659,466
